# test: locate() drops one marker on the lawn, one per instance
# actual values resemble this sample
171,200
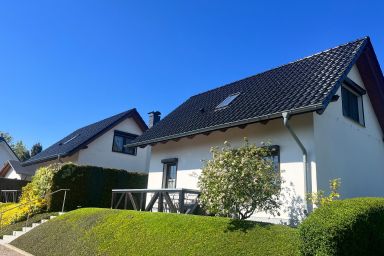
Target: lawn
93,231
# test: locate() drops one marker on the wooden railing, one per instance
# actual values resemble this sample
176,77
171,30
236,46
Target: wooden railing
175,200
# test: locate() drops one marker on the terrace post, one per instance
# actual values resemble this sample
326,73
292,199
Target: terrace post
161,203
181,201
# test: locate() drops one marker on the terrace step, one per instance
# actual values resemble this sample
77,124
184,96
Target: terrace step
9,238
35,224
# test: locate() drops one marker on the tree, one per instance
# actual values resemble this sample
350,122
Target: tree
21,151
238,181
36,149
8,138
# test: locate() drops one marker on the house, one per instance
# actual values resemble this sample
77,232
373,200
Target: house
6,152
98,144
324,115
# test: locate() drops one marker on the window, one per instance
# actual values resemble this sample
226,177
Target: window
274,157
169,173
227,100
120,139
352,102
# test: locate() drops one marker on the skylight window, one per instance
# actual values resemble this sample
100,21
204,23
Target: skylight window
74,137
227,100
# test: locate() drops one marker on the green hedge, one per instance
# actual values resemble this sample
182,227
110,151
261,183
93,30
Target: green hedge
91,186
345,227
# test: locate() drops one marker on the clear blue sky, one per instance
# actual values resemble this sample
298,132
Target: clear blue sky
65,64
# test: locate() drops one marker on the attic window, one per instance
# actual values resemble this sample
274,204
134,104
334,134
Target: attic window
227,100
352,102
74,137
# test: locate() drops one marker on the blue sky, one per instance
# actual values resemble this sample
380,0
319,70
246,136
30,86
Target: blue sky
65,64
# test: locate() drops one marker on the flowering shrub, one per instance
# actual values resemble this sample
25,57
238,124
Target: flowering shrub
238,181
32,199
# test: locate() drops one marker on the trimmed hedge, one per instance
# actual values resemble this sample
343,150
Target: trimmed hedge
91,186
346,227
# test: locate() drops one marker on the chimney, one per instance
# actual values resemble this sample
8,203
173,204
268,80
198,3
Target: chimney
154,117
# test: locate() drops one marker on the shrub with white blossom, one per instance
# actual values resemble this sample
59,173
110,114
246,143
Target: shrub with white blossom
239,181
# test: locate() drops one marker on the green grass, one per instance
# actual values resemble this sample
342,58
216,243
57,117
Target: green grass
93,231
8,230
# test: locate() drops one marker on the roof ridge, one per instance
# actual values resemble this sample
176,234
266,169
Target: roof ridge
286,64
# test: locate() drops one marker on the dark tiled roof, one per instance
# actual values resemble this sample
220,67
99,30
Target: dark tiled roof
83,136
303,85
26,170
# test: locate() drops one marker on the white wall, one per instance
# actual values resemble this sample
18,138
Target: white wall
11,174
347,150
190,152
99,152
5,154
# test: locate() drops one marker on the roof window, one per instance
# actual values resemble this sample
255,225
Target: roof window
74,137
227,100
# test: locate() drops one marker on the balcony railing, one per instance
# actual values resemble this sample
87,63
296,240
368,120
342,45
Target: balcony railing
175,200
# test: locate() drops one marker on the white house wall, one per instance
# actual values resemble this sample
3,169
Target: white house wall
191,152
347,150
99,152
11,174
5,154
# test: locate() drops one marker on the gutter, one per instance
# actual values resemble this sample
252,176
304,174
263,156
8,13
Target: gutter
286,116
44,159
302,110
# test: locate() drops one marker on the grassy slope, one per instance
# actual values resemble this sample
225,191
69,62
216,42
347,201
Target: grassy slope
8,230
119,232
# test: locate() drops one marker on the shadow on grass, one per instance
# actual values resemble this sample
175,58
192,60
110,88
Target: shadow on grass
244,225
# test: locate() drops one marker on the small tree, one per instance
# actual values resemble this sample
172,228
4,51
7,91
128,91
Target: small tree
239,181
36,149
319,198
21,151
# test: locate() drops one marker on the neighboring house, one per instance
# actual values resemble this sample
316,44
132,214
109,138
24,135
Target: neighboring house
13,169
332,101
6,153
99,144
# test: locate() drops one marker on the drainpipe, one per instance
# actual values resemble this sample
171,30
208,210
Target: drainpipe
305,154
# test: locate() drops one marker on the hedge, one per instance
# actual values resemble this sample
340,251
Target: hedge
346,227
90,186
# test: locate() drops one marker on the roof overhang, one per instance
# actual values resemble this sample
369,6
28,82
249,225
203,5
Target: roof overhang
225,126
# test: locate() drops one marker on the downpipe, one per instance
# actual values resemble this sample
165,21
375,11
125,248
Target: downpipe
305,157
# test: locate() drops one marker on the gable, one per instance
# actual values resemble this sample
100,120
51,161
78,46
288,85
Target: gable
80,138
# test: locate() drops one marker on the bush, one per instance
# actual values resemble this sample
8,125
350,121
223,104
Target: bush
345,227
239,181
32,198
90,186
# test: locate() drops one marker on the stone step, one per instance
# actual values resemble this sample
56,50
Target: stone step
18,233
8,238
35,225
26,229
